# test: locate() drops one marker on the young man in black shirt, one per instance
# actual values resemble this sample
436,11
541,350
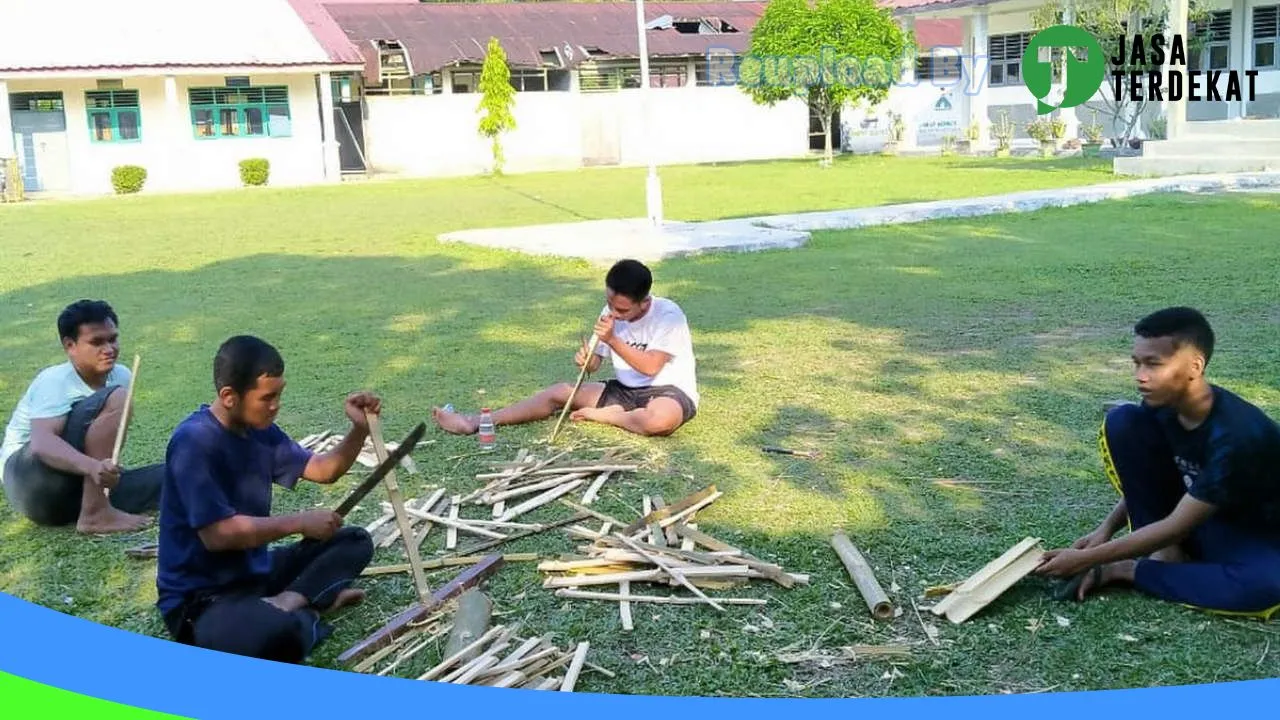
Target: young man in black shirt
1198,470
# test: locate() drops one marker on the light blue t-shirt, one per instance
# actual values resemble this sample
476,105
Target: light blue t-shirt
51,394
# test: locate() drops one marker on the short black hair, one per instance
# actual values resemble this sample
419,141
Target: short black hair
84,312
630,278
1187,326
242,360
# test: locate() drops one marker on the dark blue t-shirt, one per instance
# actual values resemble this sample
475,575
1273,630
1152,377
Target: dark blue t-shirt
211,474
1232,460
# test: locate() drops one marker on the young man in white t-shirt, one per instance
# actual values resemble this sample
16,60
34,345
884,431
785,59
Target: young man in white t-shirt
655,391
55,463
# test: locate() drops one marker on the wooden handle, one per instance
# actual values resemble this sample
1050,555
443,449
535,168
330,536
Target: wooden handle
124,415
568,405
397,506
877,602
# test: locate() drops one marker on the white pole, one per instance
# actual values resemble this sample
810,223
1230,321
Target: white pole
652,186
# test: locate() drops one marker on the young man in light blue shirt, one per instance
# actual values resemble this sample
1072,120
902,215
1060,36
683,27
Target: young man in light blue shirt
55,463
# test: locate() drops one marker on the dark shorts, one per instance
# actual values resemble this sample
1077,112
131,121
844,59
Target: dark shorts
634,398
51,497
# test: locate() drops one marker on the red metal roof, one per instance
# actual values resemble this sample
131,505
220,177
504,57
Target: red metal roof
326,32
437,35
939,33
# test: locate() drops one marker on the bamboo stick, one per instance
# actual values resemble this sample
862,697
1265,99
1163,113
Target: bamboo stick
863,577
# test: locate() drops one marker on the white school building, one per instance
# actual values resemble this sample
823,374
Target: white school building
1203,136
185,93
323,88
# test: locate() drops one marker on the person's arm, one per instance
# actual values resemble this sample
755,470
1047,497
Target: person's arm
327,468
648,362
49,411
1172,530
1111,525
47,445
593,364
244,532
206,508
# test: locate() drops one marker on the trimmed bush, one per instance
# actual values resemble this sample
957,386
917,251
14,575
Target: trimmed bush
128,179
255,171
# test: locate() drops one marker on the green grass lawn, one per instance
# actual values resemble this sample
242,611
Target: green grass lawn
980,349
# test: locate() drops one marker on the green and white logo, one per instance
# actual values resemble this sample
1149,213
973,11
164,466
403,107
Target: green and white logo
1083,77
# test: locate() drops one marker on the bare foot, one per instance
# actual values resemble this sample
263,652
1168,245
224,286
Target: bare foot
287,601
454,423
110,520
1111,573
346,598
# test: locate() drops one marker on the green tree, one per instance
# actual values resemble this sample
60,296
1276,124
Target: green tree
829,53
1108,20
497,97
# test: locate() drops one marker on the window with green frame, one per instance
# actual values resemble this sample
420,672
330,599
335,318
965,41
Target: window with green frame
229,112
114,115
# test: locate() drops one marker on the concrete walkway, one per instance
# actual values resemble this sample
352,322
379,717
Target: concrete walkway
605,241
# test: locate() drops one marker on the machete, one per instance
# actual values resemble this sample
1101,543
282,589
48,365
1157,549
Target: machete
386,466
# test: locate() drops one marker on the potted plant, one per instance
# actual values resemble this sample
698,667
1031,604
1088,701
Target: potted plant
1002,133
1092,145
1041,130
1158,128
971,136
948,145
1059,125
897,131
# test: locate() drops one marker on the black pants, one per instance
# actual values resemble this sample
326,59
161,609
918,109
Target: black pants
240,621
1232,569
51,497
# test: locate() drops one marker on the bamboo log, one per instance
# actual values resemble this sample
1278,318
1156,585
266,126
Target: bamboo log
470,621
398,625
863,577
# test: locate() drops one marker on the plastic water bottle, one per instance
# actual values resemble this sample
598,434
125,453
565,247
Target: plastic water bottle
488,434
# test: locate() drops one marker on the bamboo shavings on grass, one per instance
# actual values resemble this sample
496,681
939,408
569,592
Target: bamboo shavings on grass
503,658
632,556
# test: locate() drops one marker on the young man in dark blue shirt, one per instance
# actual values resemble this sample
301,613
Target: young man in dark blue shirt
219,585
1198,470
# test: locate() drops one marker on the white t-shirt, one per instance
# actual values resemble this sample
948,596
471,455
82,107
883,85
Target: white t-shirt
663,328
51,394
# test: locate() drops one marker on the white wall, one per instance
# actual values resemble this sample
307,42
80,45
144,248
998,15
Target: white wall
169,150
436,135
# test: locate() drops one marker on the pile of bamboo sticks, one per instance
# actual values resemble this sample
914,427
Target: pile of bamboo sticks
661,548
545,480
527,662
511,491
323,442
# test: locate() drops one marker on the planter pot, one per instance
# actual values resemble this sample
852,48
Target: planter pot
1047,149
890,148
1003,152
1091,150
964,146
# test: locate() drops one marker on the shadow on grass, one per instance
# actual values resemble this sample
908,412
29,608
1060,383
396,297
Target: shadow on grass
972,352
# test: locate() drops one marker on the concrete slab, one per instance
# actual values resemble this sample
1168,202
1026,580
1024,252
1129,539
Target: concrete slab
1028,201
605,241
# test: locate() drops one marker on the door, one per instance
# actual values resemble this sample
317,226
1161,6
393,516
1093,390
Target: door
349,123
40,136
